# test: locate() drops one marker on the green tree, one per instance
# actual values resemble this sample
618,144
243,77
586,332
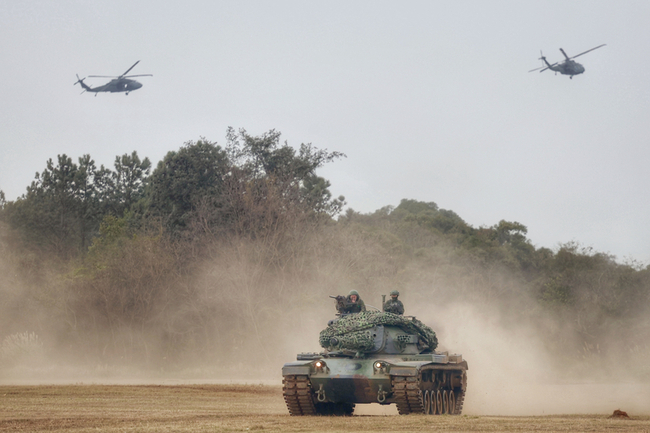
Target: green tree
429,215
185,180
510,232
290,173
59,212
316,194
128,181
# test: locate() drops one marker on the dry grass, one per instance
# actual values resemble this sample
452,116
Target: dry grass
231,408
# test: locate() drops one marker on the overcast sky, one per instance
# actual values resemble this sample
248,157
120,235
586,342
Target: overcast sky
429,100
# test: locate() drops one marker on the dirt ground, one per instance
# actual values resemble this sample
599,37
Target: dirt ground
243,408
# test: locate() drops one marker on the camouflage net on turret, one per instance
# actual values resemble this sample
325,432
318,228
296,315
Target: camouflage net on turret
353,331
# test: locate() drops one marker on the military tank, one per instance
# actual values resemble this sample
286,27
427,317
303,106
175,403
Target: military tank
375,357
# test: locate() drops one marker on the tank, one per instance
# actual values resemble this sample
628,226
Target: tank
375,357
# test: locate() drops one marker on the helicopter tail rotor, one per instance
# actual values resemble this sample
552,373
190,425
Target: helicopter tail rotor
545,64
80,81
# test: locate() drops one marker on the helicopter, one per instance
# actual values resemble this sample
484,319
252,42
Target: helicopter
123,83
567,67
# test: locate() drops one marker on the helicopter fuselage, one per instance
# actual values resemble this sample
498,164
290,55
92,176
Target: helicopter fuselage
568,67
117,85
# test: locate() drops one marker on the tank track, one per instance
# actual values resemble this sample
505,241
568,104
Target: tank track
296,390
409,394
297,393
460,397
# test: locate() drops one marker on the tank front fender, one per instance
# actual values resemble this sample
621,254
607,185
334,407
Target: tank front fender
295,368
406,368
412,368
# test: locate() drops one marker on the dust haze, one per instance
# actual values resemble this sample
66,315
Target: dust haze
248,306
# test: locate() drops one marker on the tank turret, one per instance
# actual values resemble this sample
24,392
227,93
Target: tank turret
376,357
374,332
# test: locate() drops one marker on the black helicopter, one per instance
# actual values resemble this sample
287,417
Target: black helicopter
567,67
117,84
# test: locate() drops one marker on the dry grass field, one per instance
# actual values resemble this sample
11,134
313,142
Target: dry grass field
239,408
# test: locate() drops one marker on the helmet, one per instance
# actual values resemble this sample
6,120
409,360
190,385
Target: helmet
394,293
353,292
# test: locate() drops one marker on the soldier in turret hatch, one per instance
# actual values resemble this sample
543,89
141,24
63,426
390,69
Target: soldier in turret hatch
394,305
350,304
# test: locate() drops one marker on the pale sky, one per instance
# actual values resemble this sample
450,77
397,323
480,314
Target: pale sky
430,100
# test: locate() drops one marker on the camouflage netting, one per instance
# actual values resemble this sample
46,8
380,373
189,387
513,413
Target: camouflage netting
351,331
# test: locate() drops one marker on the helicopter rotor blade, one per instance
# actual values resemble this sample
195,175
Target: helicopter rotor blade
565,56
127,71
577,55
542,58
141,75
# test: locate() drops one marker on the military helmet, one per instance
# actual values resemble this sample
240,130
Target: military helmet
394,293
353,292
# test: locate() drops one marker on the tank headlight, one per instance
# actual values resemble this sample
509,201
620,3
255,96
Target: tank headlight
320,365
380,367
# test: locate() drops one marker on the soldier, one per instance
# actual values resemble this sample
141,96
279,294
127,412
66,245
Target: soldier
350,304
394,305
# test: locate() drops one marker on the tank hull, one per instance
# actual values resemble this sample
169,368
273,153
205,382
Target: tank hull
426,383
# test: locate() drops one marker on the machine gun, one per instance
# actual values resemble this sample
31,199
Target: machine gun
340,303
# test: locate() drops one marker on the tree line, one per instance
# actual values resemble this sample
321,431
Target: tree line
219,252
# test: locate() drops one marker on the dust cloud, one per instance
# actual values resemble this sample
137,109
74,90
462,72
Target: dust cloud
511,373
243,316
